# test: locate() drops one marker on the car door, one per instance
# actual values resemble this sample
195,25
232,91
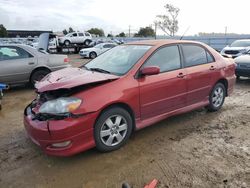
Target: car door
81,38
201,70
16,64
74,38
166,91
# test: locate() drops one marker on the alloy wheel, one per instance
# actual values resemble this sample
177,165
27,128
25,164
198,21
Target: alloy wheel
113,130
218,96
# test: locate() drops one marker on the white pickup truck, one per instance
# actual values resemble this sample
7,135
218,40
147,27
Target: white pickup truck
76,38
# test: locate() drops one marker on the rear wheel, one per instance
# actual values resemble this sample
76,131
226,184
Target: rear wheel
38,75
217,97
92,55
112,129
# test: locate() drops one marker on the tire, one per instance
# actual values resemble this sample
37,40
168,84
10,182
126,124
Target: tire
92,55
38,75
87,42
112,129
66,42
217,97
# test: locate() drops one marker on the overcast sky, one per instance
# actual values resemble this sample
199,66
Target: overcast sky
117,15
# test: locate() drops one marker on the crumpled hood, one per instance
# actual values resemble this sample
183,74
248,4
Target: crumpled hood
71,77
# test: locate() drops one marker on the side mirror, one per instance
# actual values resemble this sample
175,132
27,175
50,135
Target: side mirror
153,70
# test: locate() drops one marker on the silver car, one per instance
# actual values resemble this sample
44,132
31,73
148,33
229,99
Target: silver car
96,50
21,64
237,48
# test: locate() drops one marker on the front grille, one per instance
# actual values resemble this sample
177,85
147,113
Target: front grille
246,66
232,52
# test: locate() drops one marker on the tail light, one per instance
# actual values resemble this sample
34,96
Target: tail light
66,60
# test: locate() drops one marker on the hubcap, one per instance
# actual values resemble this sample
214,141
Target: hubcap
218,96
114,130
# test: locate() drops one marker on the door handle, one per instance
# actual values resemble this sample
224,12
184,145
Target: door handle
31,63
181,75
212,68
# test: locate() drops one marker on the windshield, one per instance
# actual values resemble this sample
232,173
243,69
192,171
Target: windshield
119,60
241,43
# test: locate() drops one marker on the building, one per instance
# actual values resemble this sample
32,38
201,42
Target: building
25,33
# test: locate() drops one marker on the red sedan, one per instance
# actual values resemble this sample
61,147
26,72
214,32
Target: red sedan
125,89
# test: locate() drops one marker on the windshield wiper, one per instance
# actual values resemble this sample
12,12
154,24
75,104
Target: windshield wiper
99,70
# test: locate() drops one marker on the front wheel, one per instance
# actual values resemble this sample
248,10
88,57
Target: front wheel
87,42
217,97
38,75
92,55
112,129
66,42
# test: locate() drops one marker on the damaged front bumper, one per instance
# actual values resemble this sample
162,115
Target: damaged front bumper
60,136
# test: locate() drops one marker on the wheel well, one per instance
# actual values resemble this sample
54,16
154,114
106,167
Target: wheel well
38,69
124,106
225,83
92,52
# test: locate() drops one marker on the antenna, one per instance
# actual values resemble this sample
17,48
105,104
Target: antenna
185,32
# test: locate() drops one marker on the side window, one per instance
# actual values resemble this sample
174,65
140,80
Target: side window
80,34
194,55
11,53
210,59
74,35
87,34
167,58
108,46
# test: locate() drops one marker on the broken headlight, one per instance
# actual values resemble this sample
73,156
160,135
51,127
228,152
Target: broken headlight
60,106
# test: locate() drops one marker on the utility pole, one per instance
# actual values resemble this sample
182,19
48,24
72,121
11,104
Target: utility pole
129,30
155,28
226,30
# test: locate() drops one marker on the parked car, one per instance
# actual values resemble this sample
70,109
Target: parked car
76,38
22,64
96,50
237,48
127,88
243,65
95,42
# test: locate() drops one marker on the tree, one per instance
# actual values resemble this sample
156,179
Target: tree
3,31
71,30
109,35
169,23
65,32
122,34
96,31
145,32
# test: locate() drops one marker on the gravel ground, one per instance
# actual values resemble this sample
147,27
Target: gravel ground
196,149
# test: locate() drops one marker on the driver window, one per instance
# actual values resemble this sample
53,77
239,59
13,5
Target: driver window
166,58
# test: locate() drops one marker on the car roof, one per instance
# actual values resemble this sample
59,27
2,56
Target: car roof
162,42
